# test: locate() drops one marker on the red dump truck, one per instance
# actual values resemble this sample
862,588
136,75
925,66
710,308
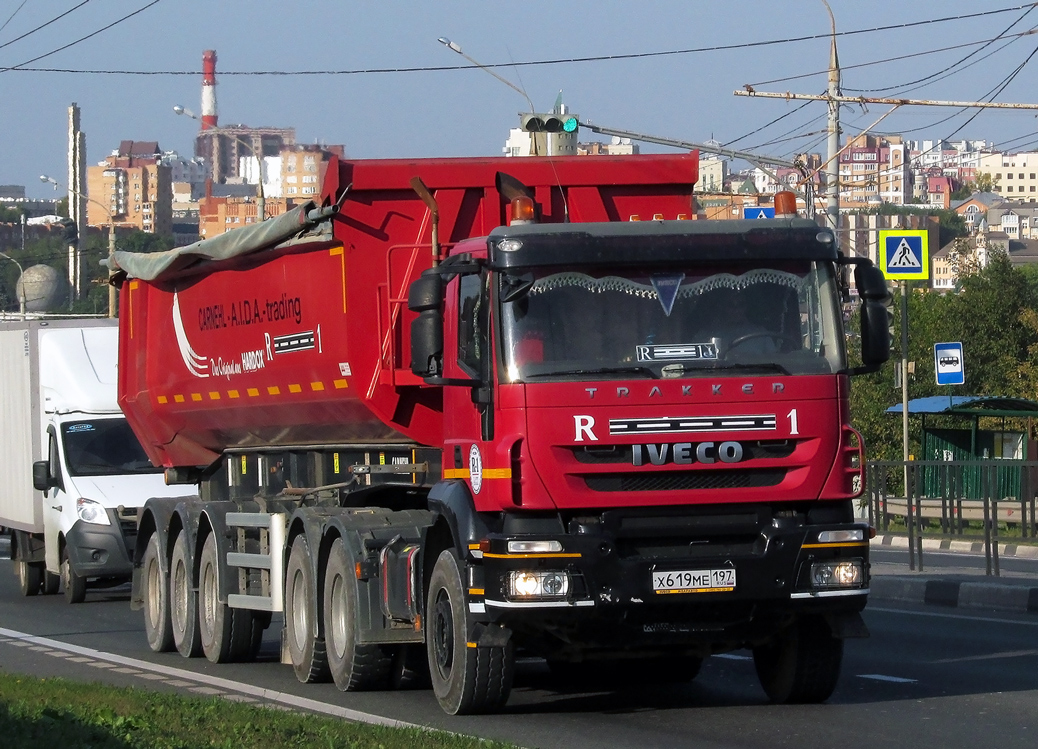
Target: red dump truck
457,409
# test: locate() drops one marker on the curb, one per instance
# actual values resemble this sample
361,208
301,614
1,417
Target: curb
891,541
955,593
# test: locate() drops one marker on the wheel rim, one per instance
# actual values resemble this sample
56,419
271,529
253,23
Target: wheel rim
443,634
23,574
66,573
338,617
154,603
299,619
179,596
209,594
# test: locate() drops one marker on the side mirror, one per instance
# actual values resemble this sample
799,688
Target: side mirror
875,329
426,298
41,478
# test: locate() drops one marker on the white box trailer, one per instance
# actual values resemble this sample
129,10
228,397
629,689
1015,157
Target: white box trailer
72,473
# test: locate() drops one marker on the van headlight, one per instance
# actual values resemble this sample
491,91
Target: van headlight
90,511
529,584
835,574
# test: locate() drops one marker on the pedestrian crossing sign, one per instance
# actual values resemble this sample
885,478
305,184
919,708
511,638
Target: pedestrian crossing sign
904,254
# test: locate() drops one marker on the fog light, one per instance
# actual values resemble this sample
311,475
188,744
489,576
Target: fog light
836,537
836,574
534,547
529,584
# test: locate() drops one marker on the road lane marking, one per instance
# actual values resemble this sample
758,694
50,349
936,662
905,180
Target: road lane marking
733,657
891,679
278,699
988,657
988,619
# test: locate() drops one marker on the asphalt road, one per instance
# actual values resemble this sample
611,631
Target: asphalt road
942,562
926,678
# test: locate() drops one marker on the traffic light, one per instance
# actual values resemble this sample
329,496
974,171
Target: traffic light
549,123
892,331
69,231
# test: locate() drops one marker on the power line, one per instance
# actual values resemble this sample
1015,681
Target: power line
529,63
41,26
82,38
13,14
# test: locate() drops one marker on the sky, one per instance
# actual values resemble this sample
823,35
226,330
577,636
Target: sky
666,68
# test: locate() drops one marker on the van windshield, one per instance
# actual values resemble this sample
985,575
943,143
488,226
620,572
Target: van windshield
103,447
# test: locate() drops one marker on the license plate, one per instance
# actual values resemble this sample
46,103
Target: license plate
694,581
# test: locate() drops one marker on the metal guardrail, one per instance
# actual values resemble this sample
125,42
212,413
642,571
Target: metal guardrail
954,493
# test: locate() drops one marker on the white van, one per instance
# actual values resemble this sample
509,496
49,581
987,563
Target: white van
72,473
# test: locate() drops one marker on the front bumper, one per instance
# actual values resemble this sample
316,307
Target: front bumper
102,550
610,601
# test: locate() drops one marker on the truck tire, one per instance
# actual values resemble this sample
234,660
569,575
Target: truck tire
155,592
801,664
353,667
226,633
465,679
30,577
51,582
75,585
183,602
305,645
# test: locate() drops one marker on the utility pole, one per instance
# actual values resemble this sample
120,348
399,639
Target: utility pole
832,169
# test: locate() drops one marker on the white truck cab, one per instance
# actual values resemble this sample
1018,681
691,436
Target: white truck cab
61,419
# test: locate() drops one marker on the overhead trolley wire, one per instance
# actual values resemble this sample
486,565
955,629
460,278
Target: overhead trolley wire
528,63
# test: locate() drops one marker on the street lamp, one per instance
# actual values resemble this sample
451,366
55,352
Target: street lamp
111,237
454,47
261,213
21,279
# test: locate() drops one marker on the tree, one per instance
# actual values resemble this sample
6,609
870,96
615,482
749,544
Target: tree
986,182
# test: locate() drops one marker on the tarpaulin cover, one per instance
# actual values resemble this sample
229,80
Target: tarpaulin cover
152,266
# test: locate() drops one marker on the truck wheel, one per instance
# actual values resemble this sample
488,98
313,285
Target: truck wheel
226,633
30,577
156,599
183,602
353,667
801,664
465,679
51,582
75,585
305,645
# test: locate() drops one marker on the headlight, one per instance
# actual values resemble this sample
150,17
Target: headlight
90,511
529,584
836,574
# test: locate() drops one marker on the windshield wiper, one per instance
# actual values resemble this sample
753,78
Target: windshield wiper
678,370
647,371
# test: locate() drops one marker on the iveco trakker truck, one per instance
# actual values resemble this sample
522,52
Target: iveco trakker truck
72,473
457,409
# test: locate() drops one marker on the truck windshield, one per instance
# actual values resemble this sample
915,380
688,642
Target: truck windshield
686,322
103,447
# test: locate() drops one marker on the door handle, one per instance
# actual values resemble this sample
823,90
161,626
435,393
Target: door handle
56,507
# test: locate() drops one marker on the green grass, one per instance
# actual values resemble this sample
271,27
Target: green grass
67,715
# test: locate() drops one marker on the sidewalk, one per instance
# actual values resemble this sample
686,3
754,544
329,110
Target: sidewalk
952,586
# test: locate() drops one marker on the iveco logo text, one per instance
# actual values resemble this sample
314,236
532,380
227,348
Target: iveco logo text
687,453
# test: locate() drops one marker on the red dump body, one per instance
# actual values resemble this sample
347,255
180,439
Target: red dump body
307,343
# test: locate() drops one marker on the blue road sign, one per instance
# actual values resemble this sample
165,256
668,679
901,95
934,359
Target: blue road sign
758,212
948,363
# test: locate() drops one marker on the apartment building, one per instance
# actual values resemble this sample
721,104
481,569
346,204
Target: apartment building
303,168
131,188
874,169
1015,174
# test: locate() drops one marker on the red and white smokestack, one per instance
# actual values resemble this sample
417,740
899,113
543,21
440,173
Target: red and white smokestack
209,89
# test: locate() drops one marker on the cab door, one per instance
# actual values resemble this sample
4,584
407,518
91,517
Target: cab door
54,500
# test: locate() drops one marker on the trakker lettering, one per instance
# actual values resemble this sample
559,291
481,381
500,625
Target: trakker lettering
687,390
687,453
